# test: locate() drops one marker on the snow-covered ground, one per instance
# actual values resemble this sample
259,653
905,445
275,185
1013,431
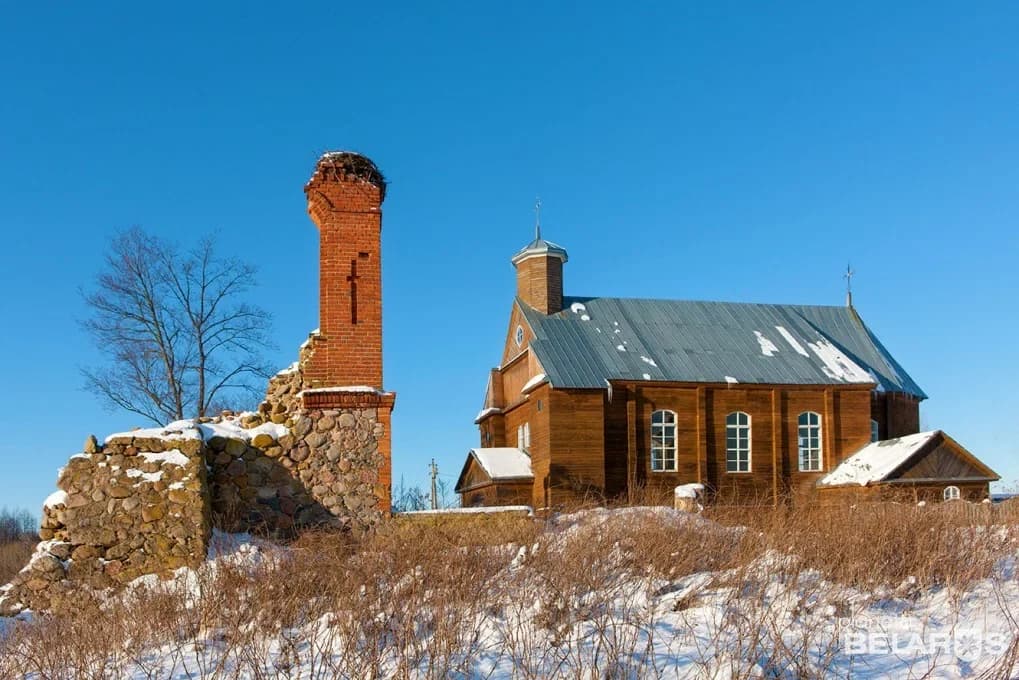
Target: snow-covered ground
754,621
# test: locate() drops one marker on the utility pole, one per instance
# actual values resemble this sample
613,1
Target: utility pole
434,470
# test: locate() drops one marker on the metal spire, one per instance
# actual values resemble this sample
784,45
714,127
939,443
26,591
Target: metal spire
848,276
537,219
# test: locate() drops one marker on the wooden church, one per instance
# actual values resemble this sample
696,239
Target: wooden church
598,399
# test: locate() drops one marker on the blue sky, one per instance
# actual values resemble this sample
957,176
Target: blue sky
727,151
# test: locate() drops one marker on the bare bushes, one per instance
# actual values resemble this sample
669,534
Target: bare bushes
638,592
884,544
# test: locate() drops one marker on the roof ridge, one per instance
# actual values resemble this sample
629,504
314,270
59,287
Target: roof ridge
581,298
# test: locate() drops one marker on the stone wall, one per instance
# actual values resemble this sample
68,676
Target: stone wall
135,506
145,501
322,472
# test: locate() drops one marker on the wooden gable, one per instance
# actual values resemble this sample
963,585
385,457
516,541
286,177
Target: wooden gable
943,459
472,476
517,320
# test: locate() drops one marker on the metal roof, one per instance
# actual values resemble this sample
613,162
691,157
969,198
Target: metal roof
540,246
594,340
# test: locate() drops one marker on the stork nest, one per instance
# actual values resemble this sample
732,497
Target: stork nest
353,164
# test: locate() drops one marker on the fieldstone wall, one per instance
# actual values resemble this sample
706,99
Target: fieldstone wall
145,502
135,506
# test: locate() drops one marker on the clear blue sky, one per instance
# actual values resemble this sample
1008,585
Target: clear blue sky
725,151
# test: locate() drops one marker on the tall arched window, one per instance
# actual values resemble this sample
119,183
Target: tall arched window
737,442
810,442
951,493
663,441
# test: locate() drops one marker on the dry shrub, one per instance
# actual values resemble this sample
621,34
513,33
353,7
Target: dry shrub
14,556
571,596
882,544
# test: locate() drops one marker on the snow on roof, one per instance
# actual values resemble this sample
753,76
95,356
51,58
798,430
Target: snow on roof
533,382
504,463
793,342
877,460
768,348
837,365
484,413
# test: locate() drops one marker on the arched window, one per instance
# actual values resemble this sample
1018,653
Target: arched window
810,442
737,442
951,493
875,431
663,441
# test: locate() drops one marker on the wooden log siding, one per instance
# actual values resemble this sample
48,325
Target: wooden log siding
897,415
774,411
577,445
584,445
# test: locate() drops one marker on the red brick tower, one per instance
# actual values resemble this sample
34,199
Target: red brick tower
345,195
539,267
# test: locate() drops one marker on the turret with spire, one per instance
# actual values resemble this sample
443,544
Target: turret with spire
539,267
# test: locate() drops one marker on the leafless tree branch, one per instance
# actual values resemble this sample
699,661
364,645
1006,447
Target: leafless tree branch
173,326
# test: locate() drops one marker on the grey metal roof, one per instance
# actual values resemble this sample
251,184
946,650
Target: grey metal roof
540,246
710,342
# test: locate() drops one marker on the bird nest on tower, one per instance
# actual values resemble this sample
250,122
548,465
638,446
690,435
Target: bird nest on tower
349,163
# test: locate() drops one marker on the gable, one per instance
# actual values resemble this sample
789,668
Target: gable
492,465
946,461
511,348
921,457
472,476
594,340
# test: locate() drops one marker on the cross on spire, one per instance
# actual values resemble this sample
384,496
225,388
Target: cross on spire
537,219
848,276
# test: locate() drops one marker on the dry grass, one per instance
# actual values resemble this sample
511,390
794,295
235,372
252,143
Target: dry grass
13,556
565,597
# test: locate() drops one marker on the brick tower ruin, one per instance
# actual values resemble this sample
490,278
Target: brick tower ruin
344,365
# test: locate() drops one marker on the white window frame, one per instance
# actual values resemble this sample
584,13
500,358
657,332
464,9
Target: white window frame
524,436
875,431
951,493
809,439
664,457
738,456
518,336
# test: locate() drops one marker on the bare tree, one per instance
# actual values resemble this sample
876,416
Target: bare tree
178,337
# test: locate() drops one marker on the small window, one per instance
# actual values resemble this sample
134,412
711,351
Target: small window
663,441
524,436
875,431
737,442
519,335
810,442
951,493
